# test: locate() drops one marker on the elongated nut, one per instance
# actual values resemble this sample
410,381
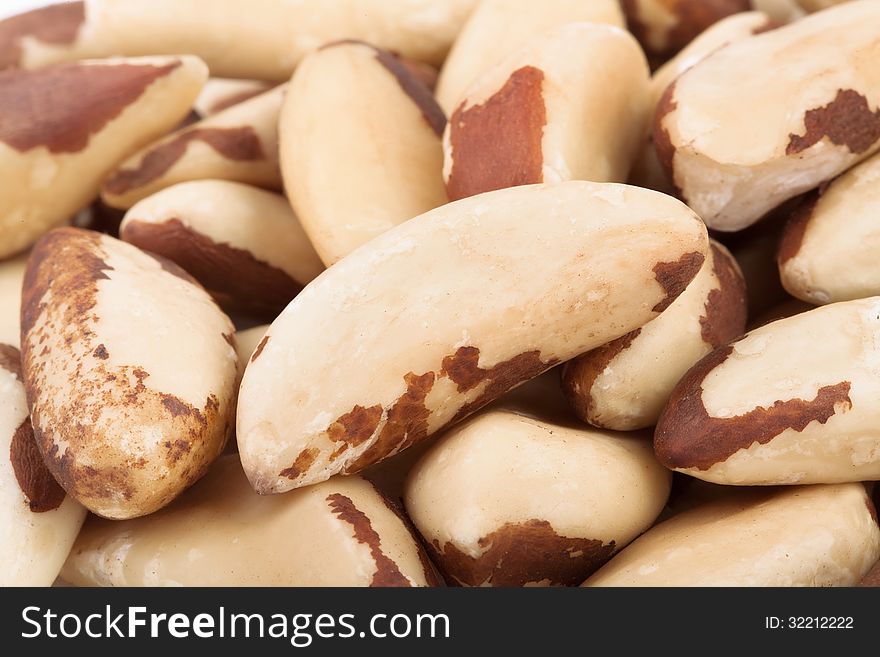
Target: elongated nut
358,112
219,94
129,369
499,27
801,536
47,34
238,144
569,105
53,155
624,384
11,277
833,225
511,500
39,521
444,313
339,533
791,402
243,244
805,127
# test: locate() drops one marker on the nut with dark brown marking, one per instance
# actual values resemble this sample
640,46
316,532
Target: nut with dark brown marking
791,402
357,111
339,533
129,376
44,33
446,312
624,384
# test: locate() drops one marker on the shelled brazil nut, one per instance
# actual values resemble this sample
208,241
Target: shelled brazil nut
219,94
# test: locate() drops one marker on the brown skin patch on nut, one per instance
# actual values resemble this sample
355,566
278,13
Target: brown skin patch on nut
661,139
579,374
872,579
845,121
259,349
688,437
796,227
301,463
236,279
387,572
240,144
517,554
498,144
62,106
34,479
725,310
355,427
425,73
56,24
234,99
10,360
675,276
101,352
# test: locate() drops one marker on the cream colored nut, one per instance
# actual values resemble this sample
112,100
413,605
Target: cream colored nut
569,105
444,313
219,94
11,277
511,500
794,401
801,536
339,533
129,369
39,520
664,27
246,343
53,155
780,11
802,128
624,384
243,244
829,246
499,27
359,113
49,34
238,144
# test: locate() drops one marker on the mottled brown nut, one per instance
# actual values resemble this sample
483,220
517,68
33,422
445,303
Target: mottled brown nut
220,533
238,144
129,368
507,499
804,127
446,312
52,33
64,127
219,94
624,384
800,536
11,277
791,402
570,104
829,247
243,244
499,27
357,112
39,521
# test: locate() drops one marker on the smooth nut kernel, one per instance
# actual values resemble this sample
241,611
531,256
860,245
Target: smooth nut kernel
570,104
799,536
129,368
243,244
338,533
804,127
791,402
53,155
238,144
829,246
219,94
496,28
444,313
357,111
39,521
624,384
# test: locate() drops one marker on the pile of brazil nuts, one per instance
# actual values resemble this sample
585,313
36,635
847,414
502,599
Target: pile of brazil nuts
440,292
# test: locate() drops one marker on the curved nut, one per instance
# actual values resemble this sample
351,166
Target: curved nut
238,144
833,225
358,112
53,155
496,28
624,384
11,277
791,402
129,369
569,105
806,127
244,245
444,313
339,533
39,521
801,536
511,500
